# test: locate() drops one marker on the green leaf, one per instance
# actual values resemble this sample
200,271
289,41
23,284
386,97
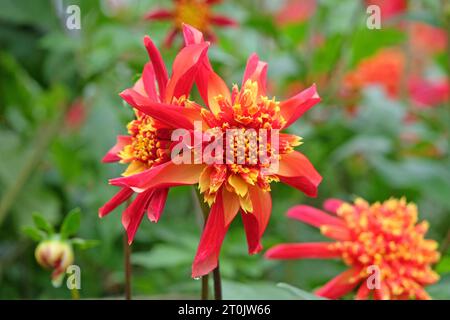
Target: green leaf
42,224
71,223
301,294
444,265
162,256
84,244
34,233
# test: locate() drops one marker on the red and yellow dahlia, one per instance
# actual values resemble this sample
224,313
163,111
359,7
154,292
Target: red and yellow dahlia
197,13
147,144
233,187
383,244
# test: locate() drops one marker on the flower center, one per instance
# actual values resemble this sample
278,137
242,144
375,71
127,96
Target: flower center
193,12
386,235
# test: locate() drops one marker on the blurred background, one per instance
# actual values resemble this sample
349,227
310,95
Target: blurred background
381,130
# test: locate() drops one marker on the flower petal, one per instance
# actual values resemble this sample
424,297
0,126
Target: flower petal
161,176
119,198
132,216
156,204
220,20
255,222
158,65
256,70
331,205
159,14
296,170
340,285
293,108
230,205
149,82
112,154
311,250
363,292
313,216
191,35
211,241
184,70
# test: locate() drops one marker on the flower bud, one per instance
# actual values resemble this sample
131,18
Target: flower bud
56,255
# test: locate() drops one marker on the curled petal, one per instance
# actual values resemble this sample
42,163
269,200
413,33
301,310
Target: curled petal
119,198
313,216
156,204
296,170
113,154
158,65
184,70
211,241
332,205
301,251
340,285
256,70
191,35
293,108
161,176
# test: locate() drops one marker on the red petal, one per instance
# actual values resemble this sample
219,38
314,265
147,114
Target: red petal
295,107
158,65
184,70
255,222
156,204
256,70
120,197
132,216
160,14
312,250
223,21
296,170
149,82
340,285
211,241
172,116
313,216
162,176
363,292
112,154
331,205
191,35
230,205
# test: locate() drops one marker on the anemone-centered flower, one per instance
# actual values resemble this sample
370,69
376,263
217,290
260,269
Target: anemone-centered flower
231,187
197,13
383,236
148,142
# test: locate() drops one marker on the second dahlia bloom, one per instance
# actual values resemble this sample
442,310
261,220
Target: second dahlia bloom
197,13
383,244
233,187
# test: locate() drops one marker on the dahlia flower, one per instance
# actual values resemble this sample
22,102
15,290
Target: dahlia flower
233,187
383,245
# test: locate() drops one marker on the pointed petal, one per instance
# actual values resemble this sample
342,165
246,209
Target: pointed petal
295,107
156,204
313,216
340,233
211,241
191,35
331,205
119,198
313,250
255,222
184,70
112,154
149,82
132,216
256,70
223,21
158,65
296,170
159,14
340,285
162,176
230,205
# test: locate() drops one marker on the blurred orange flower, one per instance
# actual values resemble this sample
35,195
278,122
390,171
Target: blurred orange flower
383,244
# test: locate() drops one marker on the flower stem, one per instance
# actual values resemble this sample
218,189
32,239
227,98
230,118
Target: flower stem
205,287
216,271
127,262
